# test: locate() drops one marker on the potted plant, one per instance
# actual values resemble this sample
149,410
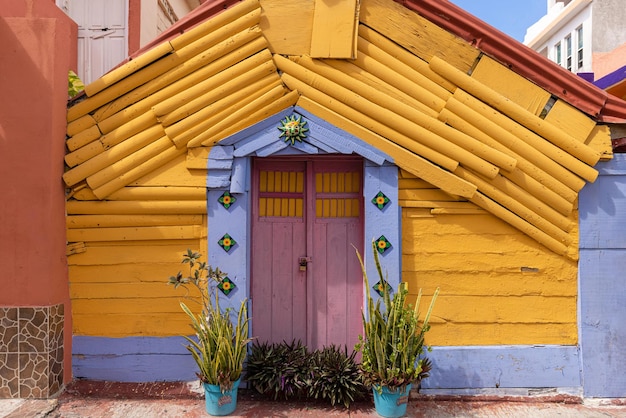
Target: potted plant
392,344
221,342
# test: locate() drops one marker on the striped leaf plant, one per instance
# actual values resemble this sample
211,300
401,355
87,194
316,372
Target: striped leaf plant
392,344
221,338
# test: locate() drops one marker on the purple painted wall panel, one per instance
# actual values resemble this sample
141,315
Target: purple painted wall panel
602,282
135,359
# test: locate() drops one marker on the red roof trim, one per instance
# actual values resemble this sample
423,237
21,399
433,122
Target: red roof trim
521,59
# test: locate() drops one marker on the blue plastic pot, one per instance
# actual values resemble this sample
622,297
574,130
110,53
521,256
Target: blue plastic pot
218,403
391,403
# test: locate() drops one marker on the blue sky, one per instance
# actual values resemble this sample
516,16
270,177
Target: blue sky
510,16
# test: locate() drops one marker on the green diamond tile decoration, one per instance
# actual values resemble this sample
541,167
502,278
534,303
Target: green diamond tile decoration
226,286
382,244
380,200
227,242
227,199
380,288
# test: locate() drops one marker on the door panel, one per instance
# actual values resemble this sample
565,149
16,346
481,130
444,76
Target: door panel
278,287
101,35
314,207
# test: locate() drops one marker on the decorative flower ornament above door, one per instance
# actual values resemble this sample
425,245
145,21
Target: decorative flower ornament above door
293,128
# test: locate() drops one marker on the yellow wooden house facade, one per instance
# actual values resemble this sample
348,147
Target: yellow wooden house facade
481,165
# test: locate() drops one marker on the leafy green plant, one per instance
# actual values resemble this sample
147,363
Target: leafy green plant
392,343
221,344
336,377
74,84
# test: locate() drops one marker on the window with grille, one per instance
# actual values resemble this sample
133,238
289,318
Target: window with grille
579,52
281,193
568,52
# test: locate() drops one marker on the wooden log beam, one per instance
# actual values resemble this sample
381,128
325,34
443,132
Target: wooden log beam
370,124
240,119
190,134
149,233
163,65
526,175
404,26
436,95
191,72
186,129
384,115
431,124
384,86
80,124
347,119
83,138
222,85
517,145
545,147
134,167
128,68
248,106
515,112
106,157
135,207
159,193
511,202
110,221
512,219
143,127
412,62
217,22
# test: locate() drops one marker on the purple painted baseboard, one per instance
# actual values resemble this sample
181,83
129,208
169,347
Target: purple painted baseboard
479,367
145,359
132,359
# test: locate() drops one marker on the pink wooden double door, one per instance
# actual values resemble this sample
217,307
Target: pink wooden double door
306,282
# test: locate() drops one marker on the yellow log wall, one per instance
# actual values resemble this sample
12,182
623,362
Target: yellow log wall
122,252
498,286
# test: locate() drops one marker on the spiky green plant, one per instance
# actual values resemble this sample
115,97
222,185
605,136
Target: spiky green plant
289,370
221,344
392,344
281,370
335,376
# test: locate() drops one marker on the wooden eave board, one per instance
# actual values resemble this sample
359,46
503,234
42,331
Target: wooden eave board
417,34
287,25
511,85
571,120
335,25
600,140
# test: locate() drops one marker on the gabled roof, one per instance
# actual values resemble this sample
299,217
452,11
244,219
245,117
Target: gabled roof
443,109
524,61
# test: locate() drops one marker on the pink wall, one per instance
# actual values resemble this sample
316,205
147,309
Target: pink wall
134,25
38,48
606,63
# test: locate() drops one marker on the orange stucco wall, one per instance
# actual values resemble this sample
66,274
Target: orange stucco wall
607,62
38,48
134,25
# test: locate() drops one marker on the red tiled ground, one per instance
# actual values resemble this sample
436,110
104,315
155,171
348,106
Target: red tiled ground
91,399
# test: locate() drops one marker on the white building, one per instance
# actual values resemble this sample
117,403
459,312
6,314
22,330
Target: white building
111,30
584,36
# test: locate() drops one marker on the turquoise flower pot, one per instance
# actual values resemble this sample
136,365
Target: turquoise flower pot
391,404
218,403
